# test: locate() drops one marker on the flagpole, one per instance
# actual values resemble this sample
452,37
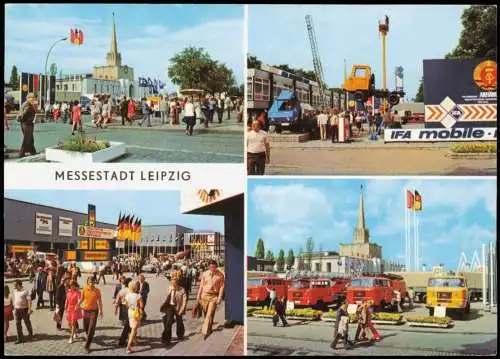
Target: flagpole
405,194
414,235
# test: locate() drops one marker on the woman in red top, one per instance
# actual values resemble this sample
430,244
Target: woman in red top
76,116
131,111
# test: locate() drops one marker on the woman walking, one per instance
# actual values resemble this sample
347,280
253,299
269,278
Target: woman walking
122,311
51,287
8,311
135,308
106,111
189,117
131,111
72,308
76,116
91,303
61,293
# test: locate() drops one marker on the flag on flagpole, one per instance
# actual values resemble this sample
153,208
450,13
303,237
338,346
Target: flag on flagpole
126,227
132,229
119,229
139,230
418,201
410,200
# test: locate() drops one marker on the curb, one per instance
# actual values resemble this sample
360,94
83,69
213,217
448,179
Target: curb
472,156
181,130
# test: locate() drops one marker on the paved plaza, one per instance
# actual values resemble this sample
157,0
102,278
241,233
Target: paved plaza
49,341
476,335
220,143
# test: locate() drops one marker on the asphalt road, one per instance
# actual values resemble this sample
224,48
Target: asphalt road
49,341
476,335
146,145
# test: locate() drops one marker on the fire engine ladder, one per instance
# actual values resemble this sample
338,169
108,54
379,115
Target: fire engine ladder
318,68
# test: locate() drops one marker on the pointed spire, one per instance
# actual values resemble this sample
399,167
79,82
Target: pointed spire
114,44
361,213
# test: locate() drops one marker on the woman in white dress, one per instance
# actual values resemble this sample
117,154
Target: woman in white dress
133,300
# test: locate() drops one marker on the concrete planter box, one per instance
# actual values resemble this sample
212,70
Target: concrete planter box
431,325
115,150
389,322
262,315
328,319
312,319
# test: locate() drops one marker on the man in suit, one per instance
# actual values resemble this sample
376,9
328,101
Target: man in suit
174,307
123,109
40,285
26,117
144,292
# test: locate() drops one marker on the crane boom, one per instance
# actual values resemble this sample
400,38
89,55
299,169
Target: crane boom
318,68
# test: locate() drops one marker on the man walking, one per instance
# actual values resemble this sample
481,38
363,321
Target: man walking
145,112
174,307
40,285
124,110
272,297
102,272
210,295
26,117
341,327
258,150
220,108
280,308
144,292
212,106
22,310
95,270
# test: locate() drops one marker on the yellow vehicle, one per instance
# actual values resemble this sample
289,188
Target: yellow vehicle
361,82
450,291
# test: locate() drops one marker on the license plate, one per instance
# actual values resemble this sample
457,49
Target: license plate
445,295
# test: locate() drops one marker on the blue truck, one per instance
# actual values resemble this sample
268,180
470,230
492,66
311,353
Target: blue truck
286,113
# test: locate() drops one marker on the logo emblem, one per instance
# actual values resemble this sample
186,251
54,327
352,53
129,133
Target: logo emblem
208,197
456,112
485,75
81,230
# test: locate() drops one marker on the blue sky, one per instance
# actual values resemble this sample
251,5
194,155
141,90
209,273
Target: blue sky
154,207
458,215
148,35
416,32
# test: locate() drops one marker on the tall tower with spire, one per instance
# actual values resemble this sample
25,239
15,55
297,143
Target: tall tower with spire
361,246
361,234
113,57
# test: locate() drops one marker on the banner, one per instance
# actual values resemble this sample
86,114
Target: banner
460,93
441,135
65,227
120,244
96,232
95,256
20,249
43,223
101,244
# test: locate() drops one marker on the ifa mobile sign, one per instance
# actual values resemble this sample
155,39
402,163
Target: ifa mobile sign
460,103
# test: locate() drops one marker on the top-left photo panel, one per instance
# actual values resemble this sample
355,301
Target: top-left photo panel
123,83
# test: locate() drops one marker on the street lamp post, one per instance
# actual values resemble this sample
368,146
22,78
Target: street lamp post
47,92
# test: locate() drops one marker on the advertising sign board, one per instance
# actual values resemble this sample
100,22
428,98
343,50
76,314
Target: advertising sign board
82,244
20,249
101,244
70,256
43,223
65,227
95,256
96,232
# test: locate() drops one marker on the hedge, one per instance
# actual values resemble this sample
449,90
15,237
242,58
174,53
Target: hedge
426,319
474,148
83,145
304,313
390,317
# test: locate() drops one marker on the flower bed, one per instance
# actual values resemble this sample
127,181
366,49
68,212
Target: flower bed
301,314
83,145
474,148
387,318
331,316
251,310
426,321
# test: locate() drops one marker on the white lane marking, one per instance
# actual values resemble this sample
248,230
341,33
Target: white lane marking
183,151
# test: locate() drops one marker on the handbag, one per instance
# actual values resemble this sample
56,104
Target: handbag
138,314
196,311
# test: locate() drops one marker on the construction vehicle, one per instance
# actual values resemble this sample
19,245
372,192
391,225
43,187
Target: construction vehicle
378,288
448,290
318,67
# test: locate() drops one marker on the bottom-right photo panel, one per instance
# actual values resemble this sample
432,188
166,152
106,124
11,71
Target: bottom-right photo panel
381,266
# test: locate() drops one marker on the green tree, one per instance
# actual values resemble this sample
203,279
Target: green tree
260,250
193,68
479,33
290,258
14,78
270,255
281,260
419,97
253,62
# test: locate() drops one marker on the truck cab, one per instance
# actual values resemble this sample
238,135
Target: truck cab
309,292
379,289
285,110
450,291
339,288
361,82
257,293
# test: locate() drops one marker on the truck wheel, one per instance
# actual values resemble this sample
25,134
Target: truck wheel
431,312
278,129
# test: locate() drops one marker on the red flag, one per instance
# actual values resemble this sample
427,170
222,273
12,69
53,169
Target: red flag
80,37
77,37
72,36
410,200
418,201
36,84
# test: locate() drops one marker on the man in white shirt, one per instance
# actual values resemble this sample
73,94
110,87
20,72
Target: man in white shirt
258,150
322,122
22,310
227,104
102,272
64,112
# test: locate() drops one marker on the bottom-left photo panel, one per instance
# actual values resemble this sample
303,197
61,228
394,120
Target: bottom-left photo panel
117,272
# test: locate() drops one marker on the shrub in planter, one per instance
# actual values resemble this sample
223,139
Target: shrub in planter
264,311
304,313
390,317
430,320
474,148
333,314
83,144
251,310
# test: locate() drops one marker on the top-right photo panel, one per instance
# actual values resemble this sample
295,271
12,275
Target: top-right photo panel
372,90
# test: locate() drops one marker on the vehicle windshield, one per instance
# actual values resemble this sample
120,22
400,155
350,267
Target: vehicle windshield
286,105
446,282
363,282
360,72
300,284
254,282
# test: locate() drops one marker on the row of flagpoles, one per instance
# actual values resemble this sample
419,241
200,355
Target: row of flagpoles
128,229
413,205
